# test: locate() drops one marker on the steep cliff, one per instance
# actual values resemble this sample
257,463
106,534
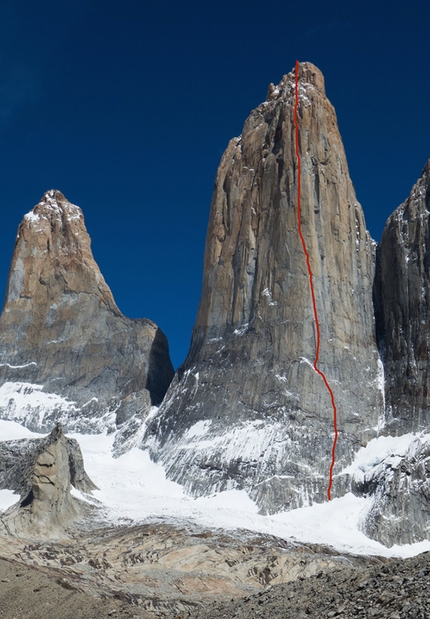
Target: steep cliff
247,409
399,483
402,295
66,352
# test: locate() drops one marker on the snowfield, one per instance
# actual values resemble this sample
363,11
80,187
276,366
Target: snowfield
132,488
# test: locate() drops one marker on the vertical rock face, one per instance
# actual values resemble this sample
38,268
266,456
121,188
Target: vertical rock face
66,351
400,483
247,410
402,293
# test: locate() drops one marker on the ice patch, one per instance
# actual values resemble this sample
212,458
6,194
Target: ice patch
381,448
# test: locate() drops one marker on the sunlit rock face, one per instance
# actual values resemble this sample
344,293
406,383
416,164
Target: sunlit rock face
42,472
67,353
247,409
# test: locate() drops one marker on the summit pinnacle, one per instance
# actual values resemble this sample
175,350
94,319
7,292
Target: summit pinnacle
67,353
247,409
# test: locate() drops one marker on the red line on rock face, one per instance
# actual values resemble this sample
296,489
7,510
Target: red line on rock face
311,286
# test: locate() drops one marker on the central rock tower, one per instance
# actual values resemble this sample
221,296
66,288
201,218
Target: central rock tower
247,410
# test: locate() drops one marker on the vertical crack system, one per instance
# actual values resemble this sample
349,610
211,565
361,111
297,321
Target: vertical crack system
311,286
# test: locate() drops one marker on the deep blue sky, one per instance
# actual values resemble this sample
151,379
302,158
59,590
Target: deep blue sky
126,107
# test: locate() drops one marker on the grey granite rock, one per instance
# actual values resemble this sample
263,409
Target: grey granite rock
18,459
402,294
247,409
400,489
400,483
66,352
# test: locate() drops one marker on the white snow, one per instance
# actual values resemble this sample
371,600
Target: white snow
381,448
21,401
32,216
266,293
198,429
11,431
133,488
241,330
7,499
17,367
94,399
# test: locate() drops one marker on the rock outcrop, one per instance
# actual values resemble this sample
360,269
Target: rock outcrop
402,293
400,491
18,459
42,471
66,352
247,409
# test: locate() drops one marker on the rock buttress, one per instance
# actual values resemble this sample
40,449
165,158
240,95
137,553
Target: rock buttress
402,293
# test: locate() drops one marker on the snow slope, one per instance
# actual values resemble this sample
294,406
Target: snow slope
133,488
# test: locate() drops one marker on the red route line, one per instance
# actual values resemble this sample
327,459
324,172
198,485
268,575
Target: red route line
311,285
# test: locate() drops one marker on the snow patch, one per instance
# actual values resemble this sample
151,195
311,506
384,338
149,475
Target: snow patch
7,499
241,330
11,431
31,216
17,367
27,403
94,399
198,429
266,293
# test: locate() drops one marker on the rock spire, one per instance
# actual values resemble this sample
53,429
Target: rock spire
43,472
67,353
247,410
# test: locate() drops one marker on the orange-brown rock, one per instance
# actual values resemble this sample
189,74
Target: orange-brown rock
247,409
67,353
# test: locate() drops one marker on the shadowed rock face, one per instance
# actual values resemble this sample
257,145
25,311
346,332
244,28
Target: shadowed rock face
402,293
400,483
66,351
247,410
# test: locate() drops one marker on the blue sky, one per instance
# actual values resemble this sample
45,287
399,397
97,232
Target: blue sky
127,108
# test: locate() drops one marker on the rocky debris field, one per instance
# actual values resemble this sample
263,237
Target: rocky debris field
388,589
394,589
30,593
158,571
170,570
